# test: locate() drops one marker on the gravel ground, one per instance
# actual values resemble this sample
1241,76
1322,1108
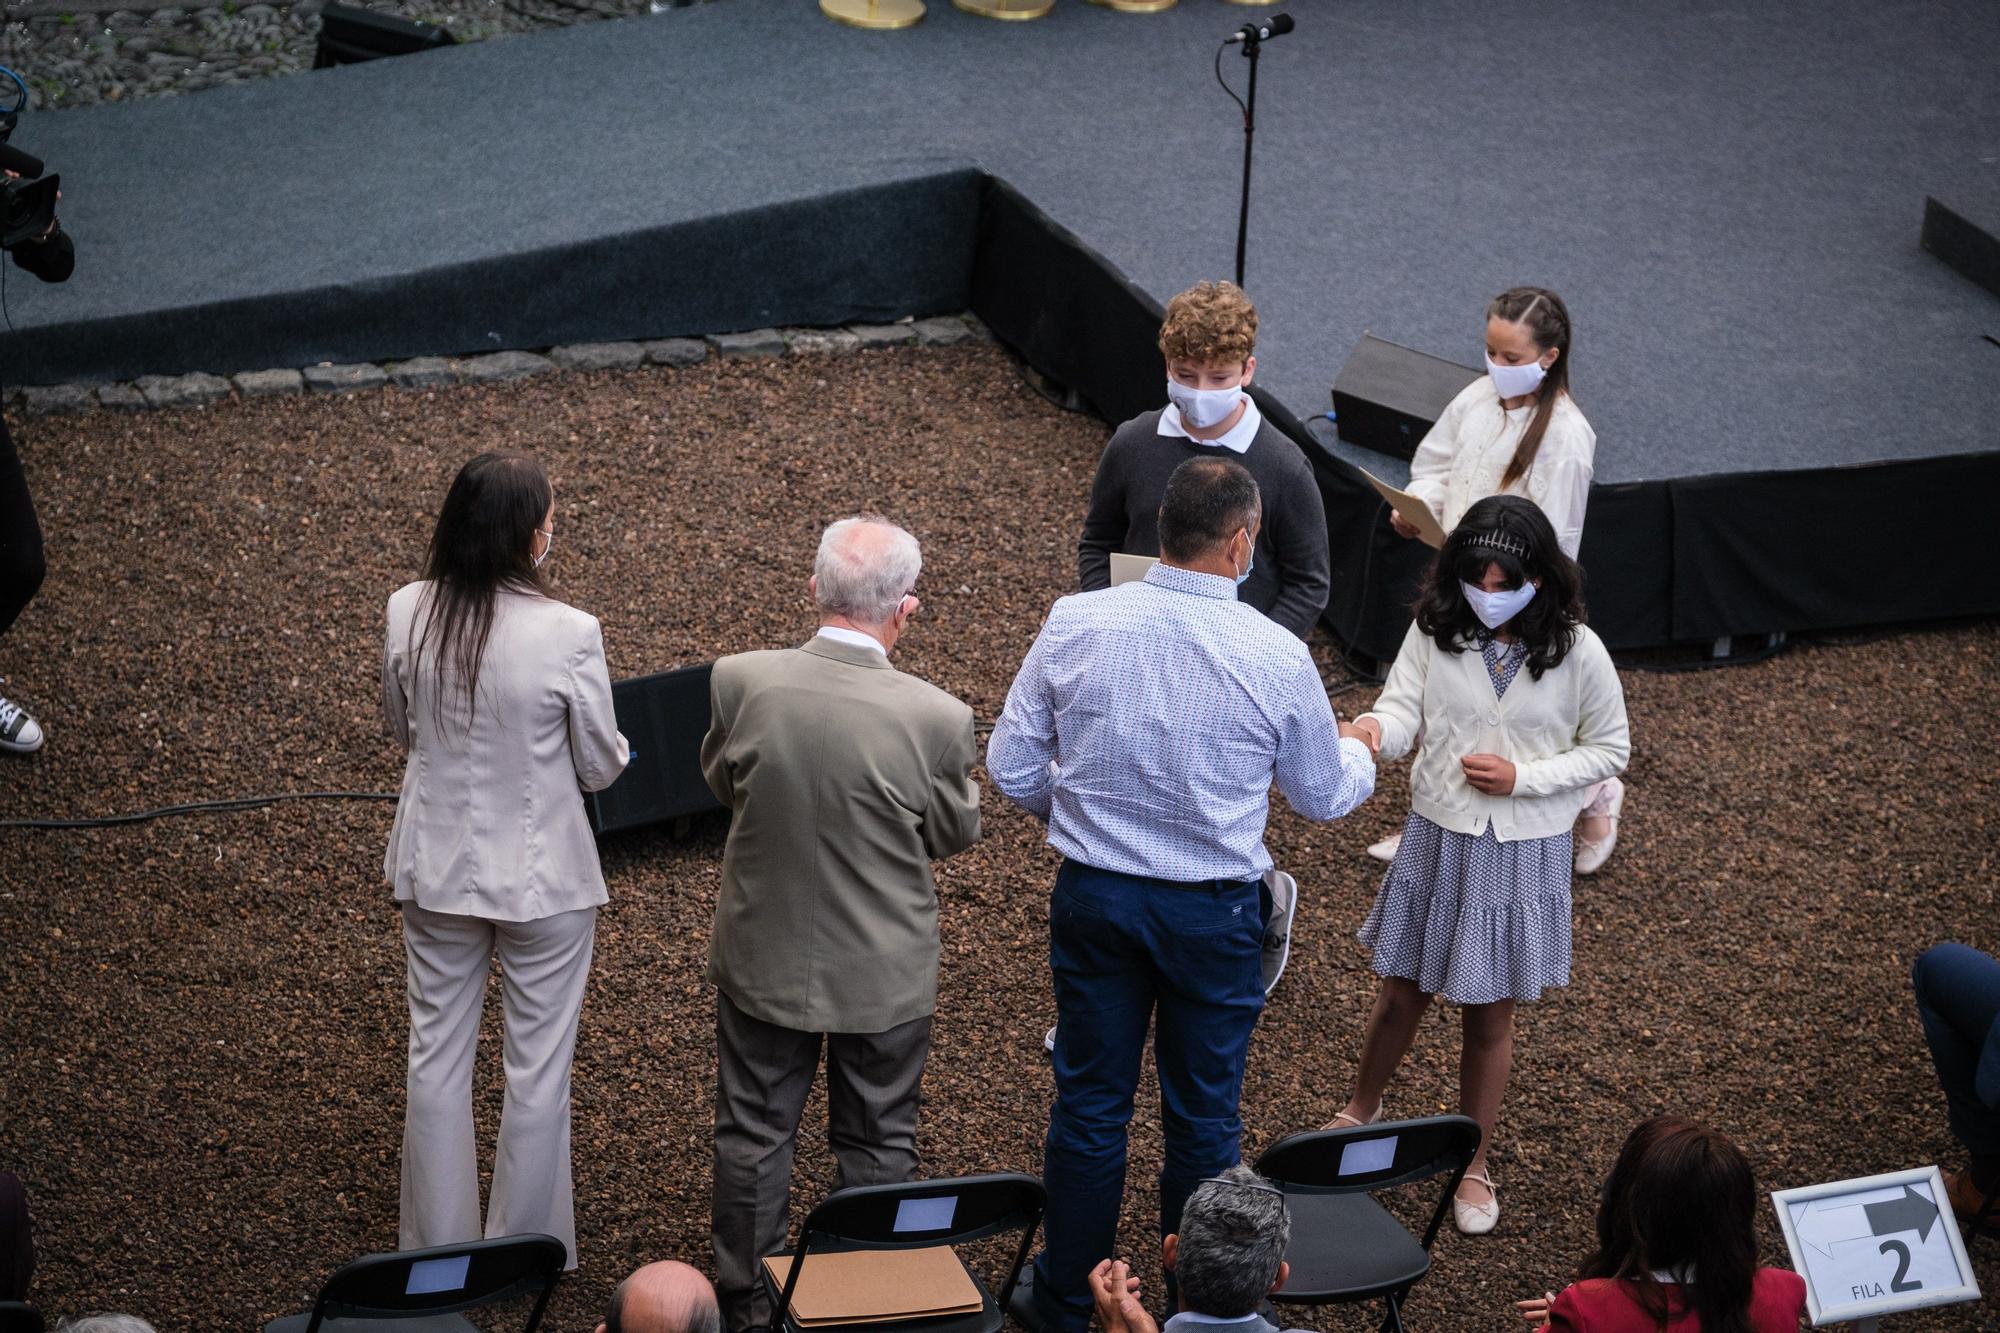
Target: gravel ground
70,58
204,1018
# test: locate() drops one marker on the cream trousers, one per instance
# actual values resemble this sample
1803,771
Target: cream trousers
544,965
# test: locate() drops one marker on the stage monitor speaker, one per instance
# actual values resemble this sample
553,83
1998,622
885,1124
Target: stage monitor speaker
1953,235
663,717
1387,395
349,34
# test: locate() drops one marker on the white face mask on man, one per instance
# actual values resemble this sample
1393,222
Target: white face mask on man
1202,408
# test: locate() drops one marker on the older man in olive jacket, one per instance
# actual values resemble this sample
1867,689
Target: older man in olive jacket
846,778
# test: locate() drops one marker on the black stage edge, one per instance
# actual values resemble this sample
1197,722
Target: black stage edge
1967,239
812,261
1683,561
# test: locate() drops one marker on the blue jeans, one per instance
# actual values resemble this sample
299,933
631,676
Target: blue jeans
1121,948
1958,998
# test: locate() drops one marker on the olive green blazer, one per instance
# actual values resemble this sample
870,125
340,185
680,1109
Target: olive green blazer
846,778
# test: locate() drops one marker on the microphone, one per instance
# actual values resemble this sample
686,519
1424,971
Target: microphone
13,159
1275,26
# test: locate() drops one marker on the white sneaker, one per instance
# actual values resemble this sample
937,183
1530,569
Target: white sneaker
1284,892
1049,1041
18,732
1386,849
1591,856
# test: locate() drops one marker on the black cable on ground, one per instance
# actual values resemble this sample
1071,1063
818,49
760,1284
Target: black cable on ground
227,805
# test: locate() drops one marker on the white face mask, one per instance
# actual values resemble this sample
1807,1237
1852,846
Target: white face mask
548,544
1513,381
1495,609
1202,408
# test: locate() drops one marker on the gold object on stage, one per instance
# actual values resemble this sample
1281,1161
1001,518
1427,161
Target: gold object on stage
1006,9
1137,6
873,13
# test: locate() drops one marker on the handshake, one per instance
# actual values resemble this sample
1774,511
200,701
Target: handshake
1366,730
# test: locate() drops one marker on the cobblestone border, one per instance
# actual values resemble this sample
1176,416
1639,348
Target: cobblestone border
200,388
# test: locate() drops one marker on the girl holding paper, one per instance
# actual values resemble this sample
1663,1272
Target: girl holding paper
1521,713
1517,431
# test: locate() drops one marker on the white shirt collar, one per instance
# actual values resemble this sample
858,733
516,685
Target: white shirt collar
1190,1317
1236,439
852,637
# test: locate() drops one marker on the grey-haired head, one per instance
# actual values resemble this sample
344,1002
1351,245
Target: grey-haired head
1231,1246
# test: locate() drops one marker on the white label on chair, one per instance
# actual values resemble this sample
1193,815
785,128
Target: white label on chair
926,1214
1369,1155
433,1275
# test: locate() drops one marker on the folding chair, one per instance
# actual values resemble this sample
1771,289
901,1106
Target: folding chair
1345,1246
19,1317
911,1216
422,1291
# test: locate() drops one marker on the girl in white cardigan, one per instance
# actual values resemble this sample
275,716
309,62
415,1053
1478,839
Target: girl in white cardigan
1517,431
1519,713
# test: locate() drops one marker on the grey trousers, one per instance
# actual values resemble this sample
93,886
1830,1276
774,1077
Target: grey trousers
544,965
763,1073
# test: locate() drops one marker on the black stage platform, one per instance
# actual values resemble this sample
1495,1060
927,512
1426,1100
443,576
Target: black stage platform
1795,404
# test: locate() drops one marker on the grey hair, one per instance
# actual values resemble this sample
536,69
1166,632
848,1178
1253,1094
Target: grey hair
1233,1232
106,1323
865,583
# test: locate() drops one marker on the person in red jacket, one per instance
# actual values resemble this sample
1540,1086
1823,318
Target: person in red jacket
1676,1246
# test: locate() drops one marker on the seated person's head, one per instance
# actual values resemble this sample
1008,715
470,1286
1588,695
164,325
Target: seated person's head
665,1297
1681,1202
1209,339
1230,1251
105,1323
1210,516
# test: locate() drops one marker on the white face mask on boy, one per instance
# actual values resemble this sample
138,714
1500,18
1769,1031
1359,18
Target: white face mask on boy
1514,381
1202,408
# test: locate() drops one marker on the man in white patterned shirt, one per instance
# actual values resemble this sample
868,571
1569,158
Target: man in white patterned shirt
1147,726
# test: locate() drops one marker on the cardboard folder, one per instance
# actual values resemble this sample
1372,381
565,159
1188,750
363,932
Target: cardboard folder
1130,568
1414,511
877,1286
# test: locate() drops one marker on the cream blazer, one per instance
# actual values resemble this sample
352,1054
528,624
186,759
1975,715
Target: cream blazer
491,822
1564,732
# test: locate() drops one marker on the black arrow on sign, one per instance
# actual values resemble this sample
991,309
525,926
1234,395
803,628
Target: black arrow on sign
1912,1212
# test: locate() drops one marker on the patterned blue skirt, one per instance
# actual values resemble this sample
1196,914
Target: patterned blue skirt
1473,919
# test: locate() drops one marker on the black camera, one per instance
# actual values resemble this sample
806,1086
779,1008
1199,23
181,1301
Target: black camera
27,204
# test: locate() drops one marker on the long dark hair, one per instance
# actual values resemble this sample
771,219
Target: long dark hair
1546,318
480,546
1546,625
1682,1199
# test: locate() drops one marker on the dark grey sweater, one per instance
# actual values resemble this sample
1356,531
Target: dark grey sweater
1289,581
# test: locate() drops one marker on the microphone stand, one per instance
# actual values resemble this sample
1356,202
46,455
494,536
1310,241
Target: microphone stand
1252,48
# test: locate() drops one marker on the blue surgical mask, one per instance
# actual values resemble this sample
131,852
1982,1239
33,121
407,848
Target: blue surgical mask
1495,609
1248,565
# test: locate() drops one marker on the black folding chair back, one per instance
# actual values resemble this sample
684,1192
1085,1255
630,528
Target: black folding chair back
19,1317
916,1215
1345,1246
433,1285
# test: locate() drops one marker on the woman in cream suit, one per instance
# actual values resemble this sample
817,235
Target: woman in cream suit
501,696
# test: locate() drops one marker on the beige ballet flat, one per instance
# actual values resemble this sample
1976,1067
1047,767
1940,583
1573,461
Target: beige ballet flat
1476,1219
1346,1121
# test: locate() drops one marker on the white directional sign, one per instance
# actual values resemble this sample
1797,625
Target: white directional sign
1875,1246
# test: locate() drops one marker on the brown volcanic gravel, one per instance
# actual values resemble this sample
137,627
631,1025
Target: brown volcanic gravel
203,1017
